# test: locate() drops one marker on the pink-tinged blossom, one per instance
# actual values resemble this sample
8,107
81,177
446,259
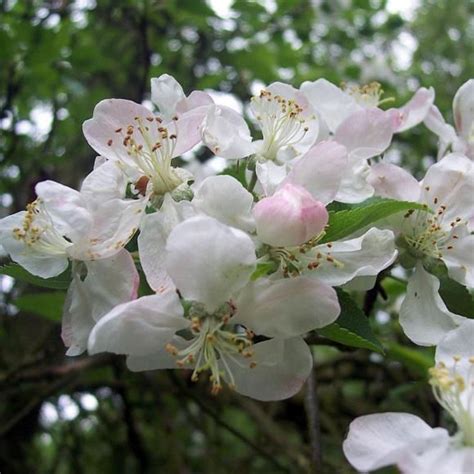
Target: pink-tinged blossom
290,217
63,224
461,138
443,233
143,143
287,121
338,104
211,265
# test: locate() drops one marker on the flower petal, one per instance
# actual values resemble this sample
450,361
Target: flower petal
319,170
340,262
450,183
458,255
108,282
282,366
140,327
270,175
154,231
109,116
34,260
209,261
463,109
457,342
166,93
290,217
416,109
390,181
332,102
161,359
226,133
424,317
225,199
67,209
366,133
384,439
287,307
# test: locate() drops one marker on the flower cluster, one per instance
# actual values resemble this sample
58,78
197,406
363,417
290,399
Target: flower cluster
225,275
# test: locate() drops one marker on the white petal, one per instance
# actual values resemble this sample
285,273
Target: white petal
354,186
209,261
463,109
424,317
458,342
458,255
333,103
226,133
282,367
416,109
140,327
225,199
111,115
366,133
390,181
161,359
166,93
287,307
367,255
450,183
108,282
270,175
319,170
105,182
37,262
380,440
435,122
67,209
115,223
154,231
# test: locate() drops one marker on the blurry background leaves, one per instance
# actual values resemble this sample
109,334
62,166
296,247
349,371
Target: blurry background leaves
58,58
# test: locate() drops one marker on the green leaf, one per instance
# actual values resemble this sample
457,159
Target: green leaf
352,328
457,297
60,282
346,222
49,305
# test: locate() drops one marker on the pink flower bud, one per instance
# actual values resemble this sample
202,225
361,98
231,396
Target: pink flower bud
290,217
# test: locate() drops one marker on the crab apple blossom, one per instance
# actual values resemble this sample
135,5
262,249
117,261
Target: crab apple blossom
288,124
338,104
144,144
442,233
402,439
63,224
210,264
461,138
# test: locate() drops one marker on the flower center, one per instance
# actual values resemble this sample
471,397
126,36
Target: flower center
38,231
368,95
214,343
309,256
453,388
281,120
429,234
151,146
